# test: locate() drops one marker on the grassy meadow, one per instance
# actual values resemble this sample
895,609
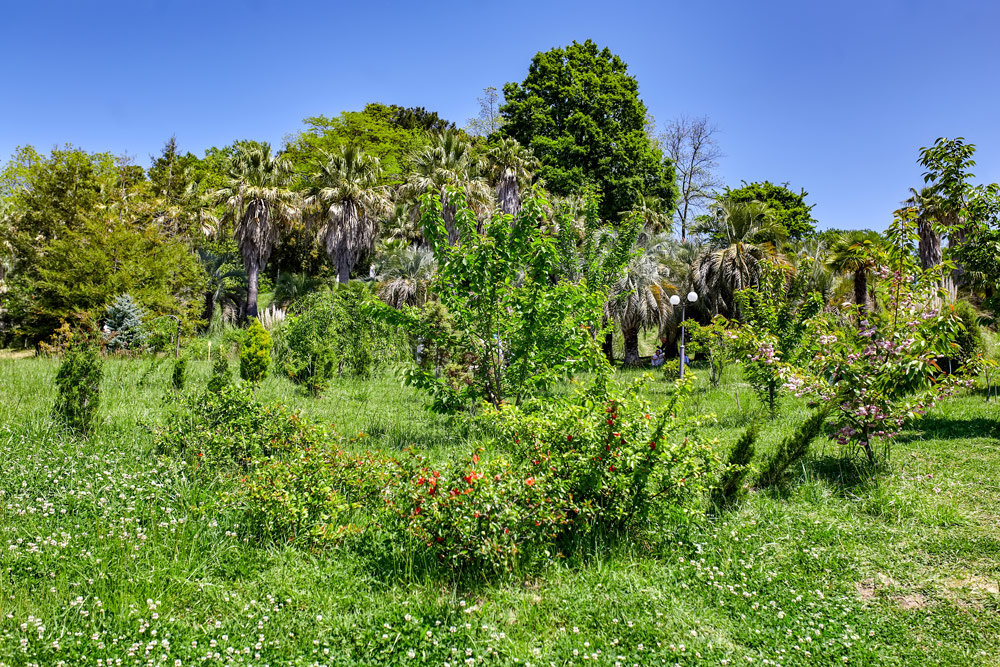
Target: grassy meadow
112,555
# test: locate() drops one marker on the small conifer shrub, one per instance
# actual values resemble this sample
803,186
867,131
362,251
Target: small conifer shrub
123,327
730,488
79,385
791,449
255,353
178,376
220,377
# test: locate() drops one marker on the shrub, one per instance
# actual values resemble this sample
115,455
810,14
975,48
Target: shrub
220,373
969,336
791,449
255,353
572,466
730,487
229,428
177,377
79,383
123,327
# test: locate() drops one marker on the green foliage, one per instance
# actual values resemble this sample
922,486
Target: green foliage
177,375
79,387
591,463
89,266
775,318
788,208
230,429
791,449
579,111
969,335
716,341
255,353
518,326
731,488
123,325
331,332
220,376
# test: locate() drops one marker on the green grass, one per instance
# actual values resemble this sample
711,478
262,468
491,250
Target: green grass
110,552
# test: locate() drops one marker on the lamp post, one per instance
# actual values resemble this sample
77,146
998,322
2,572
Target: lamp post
674,301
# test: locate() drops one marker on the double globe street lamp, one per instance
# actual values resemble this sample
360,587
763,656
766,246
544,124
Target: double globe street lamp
674,301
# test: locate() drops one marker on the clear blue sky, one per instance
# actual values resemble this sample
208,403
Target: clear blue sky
835,97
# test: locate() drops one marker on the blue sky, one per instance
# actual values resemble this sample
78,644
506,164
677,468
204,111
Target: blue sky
833,97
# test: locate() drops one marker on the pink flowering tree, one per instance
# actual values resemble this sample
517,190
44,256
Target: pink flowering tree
881,374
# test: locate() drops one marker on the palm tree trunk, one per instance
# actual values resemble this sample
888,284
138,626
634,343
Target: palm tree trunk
631,337
209,309
930,245
861,289
509,196
609,346
343,273
253,275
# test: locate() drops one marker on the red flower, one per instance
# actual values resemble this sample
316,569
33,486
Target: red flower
475,458
530,481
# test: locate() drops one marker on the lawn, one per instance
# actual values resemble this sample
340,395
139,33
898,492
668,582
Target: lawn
113,555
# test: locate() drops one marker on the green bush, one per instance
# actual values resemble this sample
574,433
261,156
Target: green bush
255,353
220,373
791,449
969,337
177,377
230,428
79,384
731,487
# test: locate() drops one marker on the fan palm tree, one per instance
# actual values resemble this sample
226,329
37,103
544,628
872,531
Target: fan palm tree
856,253
640,298
740,237
219,290
404,273
259,200
448,161
929,216
345,190
654,217
808,260
512,167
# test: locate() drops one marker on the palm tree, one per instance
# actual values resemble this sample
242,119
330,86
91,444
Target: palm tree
856,253
740,237
345,190
808,261
218,289
930,215
404,273
640,298
512,167
448,161
258,199
654,217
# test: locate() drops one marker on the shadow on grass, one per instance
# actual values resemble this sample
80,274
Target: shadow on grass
842,471
942,428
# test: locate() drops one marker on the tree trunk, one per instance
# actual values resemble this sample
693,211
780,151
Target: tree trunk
209,309
930,245
509,196
253,275
956,237
631,337
861,290
609,346
344,274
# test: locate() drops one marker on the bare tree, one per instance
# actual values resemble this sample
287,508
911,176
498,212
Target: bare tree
489,120
690,143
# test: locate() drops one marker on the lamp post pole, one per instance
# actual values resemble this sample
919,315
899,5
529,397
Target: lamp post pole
676,300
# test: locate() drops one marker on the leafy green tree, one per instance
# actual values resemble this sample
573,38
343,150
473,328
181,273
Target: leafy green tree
346,192
517,327
86,268
788,208
178,200
579,111
259,200
378,130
